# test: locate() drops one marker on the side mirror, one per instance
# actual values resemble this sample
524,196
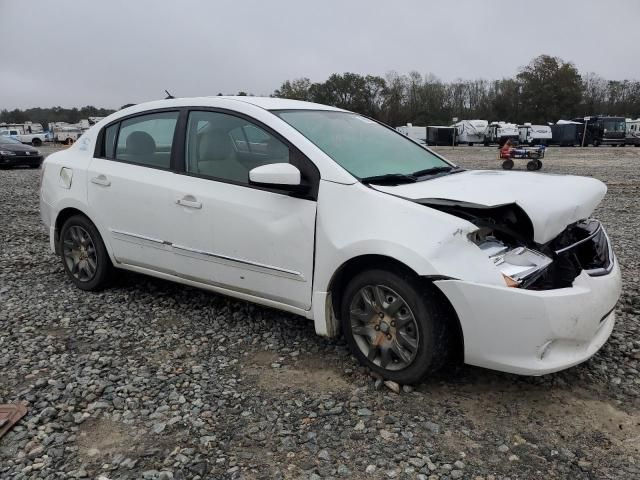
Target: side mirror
277,175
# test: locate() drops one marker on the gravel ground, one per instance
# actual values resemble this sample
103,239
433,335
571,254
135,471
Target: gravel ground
155,380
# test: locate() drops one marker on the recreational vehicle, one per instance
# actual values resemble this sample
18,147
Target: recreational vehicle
633,132
601,130
471,131
418,134
534,134
500,132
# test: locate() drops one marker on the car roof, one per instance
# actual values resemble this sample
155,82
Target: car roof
271,103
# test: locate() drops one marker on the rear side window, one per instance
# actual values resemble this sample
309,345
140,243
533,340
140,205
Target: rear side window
147,139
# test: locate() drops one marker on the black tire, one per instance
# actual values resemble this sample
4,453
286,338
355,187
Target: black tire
429,312
596,143
486,144
36,142
471,144
532,165
538,164
104,268
507,164
69,141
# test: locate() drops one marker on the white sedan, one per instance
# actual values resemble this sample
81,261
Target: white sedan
340,219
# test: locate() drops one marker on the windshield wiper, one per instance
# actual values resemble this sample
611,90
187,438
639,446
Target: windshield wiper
435,170
390,179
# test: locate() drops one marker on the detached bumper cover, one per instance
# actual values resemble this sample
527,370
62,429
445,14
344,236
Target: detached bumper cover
533,332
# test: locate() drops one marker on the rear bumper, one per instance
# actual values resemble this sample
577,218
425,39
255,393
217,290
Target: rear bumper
534,332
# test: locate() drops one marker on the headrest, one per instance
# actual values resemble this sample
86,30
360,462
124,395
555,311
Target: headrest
214,145
140,143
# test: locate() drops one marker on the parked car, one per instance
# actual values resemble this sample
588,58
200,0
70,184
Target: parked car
340,219
14,154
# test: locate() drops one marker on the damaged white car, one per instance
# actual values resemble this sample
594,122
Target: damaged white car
335,217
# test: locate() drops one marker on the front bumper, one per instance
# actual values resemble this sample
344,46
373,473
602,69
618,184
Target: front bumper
534,332
20,160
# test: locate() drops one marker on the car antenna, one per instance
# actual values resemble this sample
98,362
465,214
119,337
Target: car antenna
169,96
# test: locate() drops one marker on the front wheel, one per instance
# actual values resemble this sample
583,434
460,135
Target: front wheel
84,255
507,164
394,325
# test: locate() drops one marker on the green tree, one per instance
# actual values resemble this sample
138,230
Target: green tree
550,89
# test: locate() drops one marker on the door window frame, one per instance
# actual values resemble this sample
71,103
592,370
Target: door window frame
101,148
308,170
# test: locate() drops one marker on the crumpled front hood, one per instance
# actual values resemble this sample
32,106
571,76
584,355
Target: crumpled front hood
552,202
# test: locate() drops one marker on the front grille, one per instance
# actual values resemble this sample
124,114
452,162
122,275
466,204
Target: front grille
582,246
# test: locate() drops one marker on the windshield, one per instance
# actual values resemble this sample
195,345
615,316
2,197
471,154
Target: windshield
361,146
5,139
615,125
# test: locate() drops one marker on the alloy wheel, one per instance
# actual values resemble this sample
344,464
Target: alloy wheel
80,253
384,327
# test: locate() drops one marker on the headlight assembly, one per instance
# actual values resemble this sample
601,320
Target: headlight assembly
520,266
7,152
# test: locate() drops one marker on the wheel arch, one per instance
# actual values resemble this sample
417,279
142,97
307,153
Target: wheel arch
69,211
353,266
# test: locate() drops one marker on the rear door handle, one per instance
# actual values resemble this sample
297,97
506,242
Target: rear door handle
189,201
101,180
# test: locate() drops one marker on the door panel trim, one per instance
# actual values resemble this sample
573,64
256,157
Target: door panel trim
238,262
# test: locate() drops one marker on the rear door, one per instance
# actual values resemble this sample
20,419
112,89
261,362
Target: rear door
130,189
232,234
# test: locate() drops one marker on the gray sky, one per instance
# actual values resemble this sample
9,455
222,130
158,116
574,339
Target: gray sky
108,53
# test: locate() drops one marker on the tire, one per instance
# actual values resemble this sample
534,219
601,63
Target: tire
94,274
532,165
405,356
36,142
69,141
596,143
538,164
471,144
507,164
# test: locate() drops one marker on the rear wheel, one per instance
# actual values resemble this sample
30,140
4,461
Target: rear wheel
395,325
84,255
36,142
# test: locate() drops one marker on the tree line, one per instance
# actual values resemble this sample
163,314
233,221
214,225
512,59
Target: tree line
45,116
545,90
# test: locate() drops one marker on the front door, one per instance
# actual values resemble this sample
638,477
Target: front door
234,235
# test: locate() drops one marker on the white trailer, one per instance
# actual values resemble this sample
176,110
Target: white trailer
418,134
534,134
471,131
500,132
633,132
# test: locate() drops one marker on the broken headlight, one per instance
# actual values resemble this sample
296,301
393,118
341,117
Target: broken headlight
520,266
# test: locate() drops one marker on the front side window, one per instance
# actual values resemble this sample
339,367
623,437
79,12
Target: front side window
227,147
146,139
361,146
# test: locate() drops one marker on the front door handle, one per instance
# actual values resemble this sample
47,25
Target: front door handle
189,201
101,180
